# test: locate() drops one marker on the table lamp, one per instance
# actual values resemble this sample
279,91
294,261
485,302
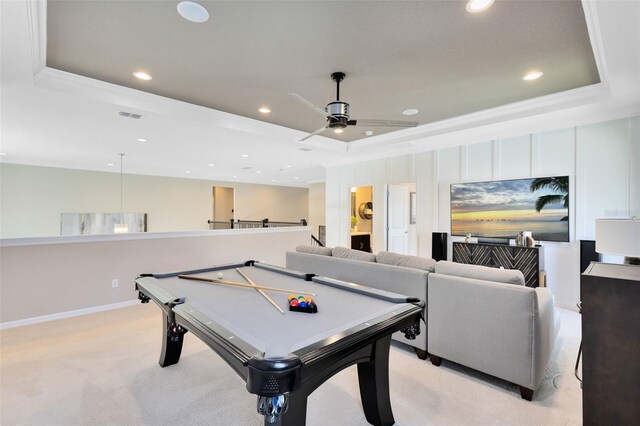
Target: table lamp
619,237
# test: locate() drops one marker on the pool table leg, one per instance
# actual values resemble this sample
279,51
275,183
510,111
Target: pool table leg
373,377
172,338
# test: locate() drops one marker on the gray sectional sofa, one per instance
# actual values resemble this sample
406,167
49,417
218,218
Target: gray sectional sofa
487,319
362,268
483,318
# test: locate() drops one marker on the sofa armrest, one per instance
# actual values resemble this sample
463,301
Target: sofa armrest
546,327
488,326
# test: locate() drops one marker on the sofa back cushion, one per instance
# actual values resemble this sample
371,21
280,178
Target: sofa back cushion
479,272
389,258
323,251
347,253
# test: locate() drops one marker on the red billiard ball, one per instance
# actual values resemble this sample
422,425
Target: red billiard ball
294,302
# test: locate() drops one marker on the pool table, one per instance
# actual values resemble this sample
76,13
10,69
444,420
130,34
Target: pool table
284,356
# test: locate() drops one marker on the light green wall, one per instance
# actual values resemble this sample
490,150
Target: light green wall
32,199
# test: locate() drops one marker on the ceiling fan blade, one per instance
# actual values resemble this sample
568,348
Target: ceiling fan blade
314,133
385,123
310,105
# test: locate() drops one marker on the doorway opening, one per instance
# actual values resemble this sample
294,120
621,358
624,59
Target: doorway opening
362,218
401,229
222,202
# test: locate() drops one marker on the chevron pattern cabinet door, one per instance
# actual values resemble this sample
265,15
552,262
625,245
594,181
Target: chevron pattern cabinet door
525,259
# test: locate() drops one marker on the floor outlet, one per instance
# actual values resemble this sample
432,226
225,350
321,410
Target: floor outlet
114,283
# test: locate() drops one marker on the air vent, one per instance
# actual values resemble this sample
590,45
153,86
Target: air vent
129,114
247,168
305,149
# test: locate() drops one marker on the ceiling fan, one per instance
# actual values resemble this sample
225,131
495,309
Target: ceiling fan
337,113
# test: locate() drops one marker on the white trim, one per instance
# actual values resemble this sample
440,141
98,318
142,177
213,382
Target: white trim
580,116
37,17
36,241
521,109
595,37
67,314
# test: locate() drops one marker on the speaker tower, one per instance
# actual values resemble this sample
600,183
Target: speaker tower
439,246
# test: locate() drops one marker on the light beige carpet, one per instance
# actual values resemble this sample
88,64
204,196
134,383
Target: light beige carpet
102,369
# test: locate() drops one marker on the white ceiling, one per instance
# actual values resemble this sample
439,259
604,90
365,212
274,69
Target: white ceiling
56,118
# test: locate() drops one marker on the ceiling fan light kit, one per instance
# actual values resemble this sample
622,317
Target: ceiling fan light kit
337,113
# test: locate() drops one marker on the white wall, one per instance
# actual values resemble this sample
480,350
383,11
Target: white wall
601,160
42,279
32,199
316,206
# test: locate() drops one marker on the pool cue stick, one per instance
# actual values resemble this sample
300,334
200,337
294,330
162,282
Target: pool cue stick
266,296
233,283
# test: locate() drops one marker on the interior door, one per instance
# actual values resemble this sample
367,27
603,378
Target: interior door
398,219
222,204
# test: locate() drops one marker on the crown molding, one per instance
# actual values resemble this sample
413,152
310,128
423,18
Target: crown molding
37,16
543,104
578,116
595,36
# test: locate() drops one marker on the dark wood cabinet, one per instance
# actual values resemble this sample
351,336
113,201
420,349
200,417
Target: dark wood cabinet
610,344
529,260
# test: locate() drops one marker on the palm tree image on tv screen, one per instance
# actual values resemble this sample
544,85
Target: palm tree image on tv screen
502,209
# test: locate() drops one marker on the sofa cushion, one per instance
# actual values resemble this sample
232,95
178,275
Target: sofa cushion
347,253
324,251
479,272
417,262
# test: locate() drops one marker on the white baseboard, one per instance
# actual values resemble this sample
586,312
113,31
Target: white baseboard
67,314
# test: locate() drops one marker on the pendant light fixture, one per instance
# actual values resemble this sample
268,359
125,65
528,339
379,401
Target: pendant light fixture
121,227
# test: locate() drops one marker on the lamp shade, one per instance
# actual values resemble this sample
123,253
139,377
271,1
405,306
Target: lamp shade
618,236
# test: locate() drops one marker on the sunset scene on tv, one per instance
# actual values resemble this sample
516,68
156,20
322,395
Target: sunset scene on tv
502,209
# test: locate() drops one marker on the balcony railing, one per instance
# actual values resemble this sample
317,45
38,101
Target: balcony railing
244,224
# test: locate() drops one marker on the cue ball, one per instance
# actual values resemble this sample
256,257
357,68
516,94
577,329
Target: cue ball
220,275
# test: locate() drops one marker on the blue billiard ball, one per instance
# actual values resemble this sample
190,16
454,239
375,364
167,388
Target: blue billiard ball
303,304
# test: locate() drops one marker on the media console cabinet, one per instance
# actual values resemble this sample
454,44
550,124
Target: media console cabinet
529,260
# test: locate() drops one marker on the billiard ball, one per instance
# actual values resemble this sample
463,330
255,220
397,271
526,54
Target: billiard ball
303,304
292,296
294,302
220,274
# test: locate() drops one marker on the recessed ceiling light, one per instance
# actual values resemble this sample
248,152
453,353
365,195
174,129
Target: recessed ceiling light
264,110
258,171
142,75
110,164
338,131
273,180
210,164
533,75
368,132
245,155
477,6
142,140
193,12
296,177
188,171
410,111
234,176
3,153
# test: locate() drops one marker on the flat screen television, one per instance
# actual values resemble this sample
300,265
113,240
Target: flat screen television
503,208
